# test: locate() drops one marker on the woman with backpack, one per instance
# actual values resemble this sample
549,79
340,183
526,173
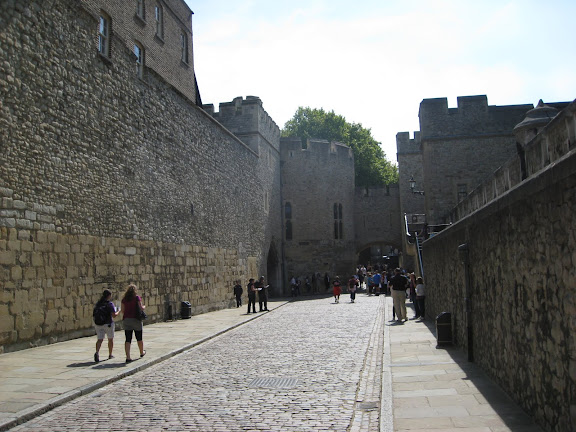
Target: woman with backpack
131,313
104,314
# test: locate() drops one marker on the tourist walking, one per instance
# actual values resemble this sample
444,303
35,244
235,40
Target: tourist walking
104,314
376,280
420,299
399,283
130,308
238,293
251,295
352,285
337,289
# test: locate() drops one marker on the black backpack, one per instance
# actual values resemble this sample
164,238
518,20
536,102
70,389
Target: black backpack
101,313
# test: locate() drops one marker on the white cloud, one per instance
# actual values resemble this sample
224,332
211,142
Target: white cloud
374,62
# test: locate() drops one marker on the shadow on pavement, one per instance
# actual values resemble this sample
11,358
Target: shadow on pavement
509,411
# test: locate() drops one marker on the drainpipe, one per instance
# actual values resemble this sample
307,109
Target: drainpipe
464,257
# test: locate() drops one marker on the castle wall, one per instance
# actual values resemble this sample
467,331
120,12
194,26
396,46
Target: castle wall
314,179
376,218
108,178
247,120
461,146
162,53
521,278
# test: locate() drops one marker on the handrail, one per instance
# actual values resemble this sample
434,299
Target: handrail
420,263
408,235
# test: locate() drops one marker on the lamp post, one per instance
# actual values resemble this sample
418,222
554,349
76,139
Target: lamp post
413,186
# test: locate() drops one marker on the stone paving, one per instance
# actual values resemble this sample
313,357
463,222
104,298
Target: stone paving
309,365
297,368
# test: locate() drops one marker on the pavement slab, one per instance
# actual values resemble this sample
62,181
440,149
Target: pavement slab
307,365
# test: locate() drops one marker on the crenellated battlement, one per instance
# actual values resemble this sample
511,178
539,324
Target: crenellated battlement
473,116
296,148
247,119
406,145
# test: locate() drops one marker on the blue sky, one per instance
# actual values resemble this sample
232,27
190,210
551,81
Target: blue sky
374,61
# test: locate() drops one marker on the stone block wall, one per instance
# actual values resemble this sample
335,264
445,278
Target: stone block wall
521,278
107,178
462,146
249,122
376,217
162,53
314,179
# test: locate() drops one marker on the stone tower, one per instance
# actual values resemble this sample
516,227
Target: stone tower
318,207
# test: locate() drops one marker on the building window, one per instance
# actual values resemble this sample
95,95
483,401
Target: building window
338,226
184,46
462,191
104,31
288,220
159,16
140,9
139,53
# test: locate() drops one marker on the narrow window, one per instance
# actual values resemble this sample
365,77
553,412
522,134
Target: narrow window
104,28
288,220
338,225
184,46
159,16
140,9
462,191
139,53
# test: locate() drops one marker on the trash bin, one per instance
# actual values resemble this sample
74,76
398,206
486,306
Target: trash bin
186,310
444,329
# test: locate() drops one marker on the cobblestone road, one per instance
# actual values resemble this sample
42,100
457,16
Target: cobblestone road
309,366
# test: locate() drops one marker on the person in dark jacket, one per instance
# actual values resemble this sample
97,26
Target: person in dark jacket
238,293
251,295
262,289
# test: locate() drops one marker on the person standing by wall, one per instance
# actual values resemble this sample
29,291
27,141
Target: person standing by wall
251,295
420,299
130,308
399,284
326,281
262,289
238,293
104,314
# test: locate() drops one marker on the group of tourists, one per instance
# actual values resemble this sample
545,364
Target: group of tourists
398,283
132,310
254,289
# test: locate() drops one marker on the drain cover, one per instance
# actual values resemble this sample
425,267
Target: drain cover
278,383
368,406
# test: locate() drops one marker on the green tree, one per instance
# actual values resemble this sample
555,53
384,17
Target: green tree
370,163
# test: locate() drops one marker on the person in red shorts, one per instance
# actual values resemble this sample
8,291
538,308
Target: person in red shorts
337,289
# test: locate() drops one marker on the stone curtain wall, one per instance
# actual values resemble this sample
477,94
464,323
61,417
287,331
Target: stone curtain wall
462,146
51,281
107,178
376,217
522,272
314,179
